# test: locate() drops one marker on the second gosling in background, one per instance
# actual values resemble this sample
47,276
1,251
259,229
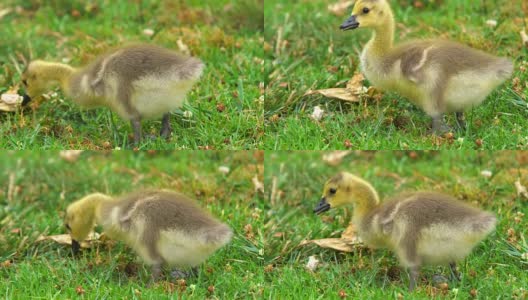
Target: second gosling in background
421,228
163,227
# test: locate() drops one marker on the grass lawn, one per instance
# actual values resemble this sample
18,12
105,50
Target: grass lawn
304,49
37,187
226,104
496,269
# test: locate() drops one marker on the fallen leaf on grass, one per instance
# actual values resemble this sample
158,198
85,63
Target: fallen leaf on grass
10,100
313,263
339,244
351,93
346,243
340,8
349,233
355,84
338,93
334,158
65,239
521,189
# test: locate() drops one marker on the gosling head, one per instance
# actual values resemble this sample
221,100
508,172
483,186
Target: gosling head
367,14
80,218
346,189
35,80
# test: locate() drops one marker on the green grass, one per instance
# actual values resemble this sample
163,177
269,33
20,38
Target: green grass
226,35
306,50
495,269
37,186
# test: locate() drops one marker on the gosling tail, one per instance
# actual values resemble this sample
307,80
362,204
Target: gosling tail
484,224
218,235
504,68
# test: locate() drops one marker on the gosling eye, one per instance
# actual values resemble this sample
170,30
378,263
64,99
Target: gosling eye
366,10
332,191
68,227
24,82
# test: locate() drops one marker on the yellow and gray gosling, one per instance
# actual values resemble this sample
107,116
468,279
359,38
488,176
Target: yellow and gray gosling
422,228
163,227
137,82
436,75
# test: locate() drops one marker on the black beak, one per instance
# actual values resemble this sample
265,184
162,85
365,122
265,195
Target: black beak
322,207
350,23
75,247
25,100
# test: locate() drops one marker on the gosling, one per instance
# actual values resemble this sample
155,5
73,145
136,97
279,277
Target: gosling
137,82
436,75
422,228
163,227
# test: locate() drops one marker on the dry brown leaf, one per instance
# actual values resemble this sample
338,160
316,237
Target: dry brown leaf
338,93
349,233
10,100
352,92
334,158
355,84
346,243
65,239
5,107
339,244
340,8
521,189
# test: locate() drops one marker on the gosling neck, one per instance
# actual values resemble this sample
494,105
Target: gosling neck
93,204
59,72
382,38
366,200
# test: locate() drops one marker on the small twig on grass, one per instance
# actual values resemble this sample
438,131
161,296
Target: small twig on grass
11,185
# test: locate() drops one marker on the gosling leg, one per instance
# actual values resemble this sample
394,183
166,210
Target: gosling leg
193,272
179,274
454,273
414,272
156,272
439,125
136,126
165,126
461,120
